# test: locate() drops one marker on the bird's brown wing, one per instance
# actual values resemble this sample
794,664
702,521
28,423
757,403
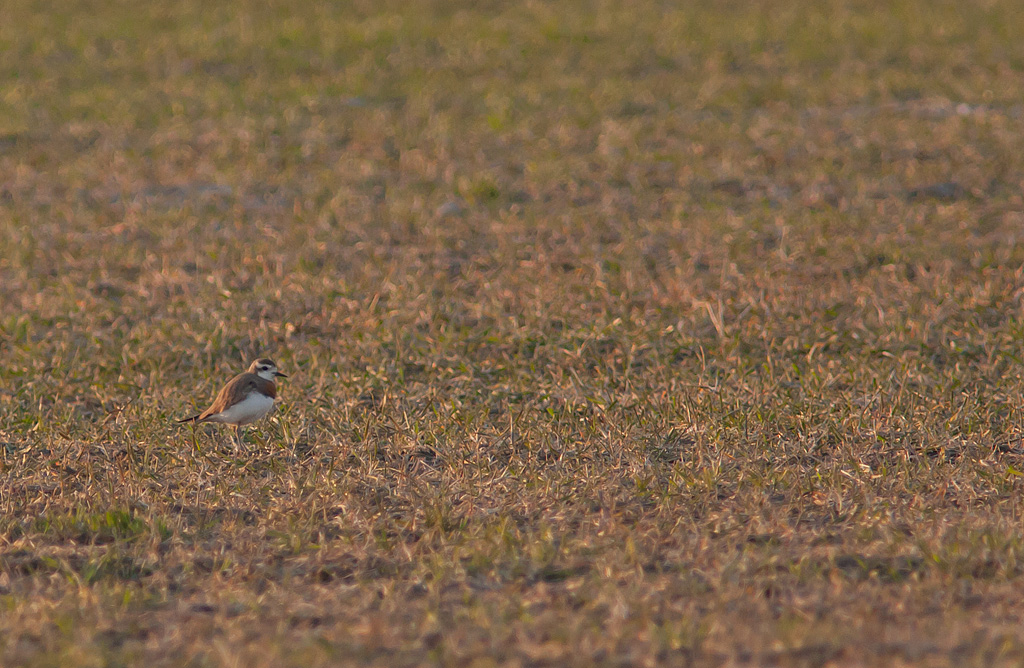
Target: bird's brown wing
237,389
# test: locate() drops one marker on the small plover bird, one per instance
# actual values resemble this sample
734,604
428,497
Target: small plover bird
246,398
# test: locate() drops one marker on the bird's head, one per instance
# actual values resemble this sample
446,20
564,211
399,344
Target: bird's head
266,369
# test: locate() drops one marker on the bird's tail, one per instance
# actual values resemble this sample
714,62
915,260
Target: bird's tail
194,418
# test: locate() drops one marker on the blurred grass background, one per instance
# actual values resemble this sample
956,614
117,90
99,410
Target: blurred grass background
617,334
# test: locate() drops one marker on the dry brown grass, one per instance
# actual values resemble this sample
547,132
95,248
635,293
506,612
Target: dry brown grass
618,334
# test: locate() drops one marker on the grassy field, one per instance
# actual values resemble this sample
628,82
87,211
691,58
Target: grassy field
618,333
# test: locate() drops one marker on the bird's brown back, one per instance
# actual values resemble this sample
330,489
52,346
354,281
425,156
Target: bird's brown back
237,389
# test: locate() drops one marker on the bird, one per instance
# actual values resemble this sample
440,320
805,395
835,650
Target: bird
246,398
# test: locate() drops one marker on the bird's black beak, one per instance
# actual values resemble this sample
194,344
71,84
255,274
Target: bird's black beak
279,374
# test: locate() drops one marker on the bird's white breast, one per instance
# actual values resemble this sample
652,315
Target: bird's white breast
248,410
